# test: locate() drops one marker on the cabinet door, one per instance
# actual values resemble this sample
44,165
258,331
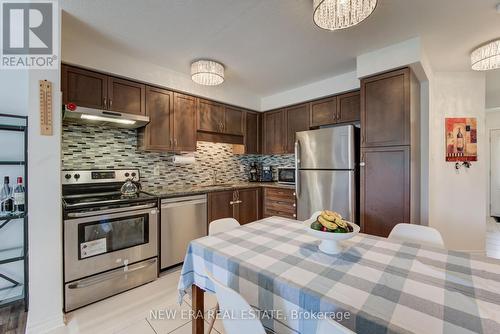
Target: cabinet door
297,119
210,116
253,133
385,189
385,109
248,210
274,132
126,96
348,107
234,121
323,112
84,88
219,205
184,122
158,134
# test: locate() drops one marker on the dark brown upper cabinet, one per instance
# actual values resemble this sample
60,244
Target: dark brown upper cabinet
253,133
385,109
274,132
158,134
385,189
96,90
323,112
126,96
219,118
348,107
234,121
172,126
84,88
184,122
210,116
344,108
297,119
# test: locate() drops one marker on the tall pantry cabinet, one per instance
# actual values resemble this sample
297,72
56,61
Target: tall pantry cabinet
390,152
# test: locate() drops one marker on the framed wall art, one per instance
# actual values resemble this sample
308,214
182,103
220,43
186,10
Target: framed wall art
461,139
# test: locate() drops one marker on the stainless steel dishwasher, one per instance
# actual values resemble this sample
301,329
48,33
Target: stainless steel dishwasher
182,219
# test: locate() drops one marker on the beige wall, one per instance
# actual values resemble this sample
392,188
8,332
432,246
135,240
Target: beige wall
457,200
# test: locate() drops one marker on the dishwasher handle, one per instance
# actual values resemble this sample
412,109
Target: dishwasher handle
182,203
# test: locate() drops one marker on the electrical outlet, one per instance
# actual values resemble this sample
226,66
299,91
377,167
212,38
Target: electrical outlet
156,169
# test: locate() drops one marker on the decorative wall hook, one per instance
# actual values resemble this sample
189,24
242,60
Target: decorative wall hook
465,164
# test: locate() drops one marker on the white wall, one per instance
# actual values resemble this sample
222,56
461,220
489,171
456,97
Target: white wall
338,84
457,200
83,50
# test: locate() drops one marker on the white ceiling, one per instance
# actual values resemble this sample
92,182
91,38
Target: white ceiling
269,46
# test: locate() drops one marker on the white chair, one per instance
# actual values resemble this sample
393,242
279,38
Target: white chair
231,302
222,225
419,234
329,326
219,226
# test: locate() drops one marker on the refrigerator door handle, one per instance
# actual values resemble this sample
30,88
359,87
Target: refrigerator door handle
297,166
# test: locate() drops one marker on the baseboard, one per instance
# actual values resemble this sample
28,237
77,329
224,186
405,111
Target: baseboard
45,326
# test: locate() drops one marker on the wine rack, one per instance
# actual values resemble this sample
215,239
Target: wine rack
14,290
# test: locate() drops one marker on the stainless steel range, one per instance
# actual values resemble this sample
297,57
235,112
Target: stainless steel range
110,235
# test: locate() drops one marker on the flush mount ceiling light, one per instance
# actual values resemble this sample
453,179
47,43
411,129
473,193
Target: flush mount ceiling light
486,57
207,72
341,14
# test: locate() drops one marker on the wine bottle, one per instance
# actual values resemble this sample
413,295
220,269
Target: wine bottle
6,193
460,141
19,195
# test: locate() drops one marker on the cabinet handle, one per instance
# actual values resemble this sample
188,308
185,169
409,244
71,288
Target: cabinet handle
362,164
175,142
171,143
105,103
110,103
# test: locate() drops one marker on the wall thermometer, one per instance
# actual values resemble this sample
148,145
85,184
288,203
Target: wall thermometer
45,108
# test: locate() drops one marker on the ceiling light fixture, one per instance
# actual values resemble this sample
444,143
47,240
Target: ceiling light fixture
207,72
341,14
486,57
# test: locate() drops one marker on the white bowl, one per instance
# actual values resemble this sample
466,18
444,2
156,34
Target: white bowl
330,242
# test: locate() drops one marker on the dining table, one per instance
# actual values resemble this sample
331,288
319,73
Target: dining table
374,285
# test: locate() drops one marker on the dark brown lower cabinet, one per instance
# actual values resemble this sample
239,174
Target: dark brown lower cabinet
385,189
279,202
242,205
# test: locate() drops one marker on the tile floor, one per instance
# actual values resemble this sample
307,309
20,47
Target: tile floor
133,312
493,238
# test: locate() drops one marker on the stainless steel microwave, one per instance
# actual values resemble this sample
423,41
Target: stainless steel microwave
286,175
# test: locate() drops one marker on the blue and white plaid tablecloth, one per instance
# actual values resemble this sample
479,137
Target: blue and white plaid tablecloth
385,286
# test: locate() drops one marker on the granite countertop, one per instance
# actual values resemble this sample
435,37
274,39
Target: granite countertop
169,191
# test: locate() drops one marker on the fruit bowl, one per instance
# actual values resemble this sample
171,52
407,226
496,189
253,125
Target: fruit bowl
330,241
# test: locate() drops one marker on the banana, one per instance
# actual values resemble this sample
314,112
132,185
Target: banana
328,224
331,216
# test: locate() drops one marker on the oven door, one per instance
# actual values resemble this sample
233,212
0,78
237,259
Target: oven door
106,241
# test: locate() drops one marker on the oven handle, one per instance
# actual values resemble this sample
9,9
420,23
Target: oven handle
108,211
85,283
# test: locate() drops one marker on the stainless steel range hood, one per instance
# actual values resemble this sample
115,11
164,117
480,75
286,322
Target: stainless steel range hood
111,118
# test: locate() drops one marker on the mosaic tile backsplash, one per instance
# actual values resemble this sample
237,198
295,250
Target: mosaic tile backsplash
103,147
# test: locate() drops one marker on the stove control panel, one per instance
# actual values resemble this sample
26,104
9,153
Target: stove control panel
98,176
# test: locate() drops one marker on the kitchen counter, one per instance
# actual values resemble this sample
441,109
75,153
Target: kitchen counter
166,191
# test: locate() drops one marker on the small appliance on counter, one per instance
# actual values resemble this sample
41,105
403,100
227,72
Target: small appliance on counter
266,174
253,174
110,235
286,175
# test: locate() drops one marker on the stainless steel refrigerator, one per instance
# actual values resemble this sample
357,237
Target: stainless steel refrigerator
326,176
